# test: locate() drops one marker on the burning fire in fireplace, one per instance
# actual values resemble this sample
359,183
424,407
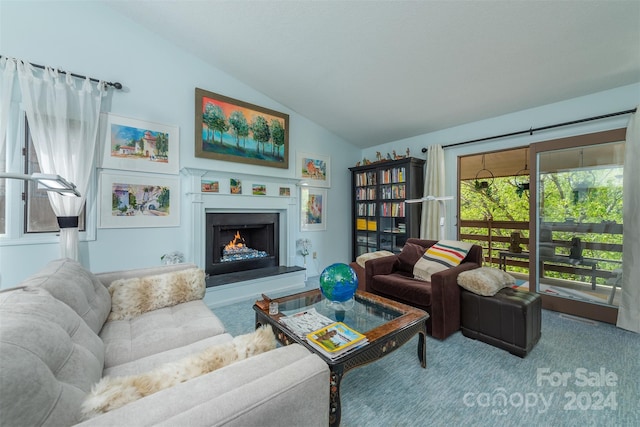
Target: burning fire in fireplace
236,244
237,250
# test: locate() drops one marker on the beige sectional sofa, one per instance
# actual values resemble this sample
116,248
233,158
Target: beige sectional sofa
56,343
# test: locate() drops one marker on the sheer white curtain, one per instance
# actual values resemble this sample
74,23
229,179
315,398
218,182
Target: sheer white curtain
433,186
629,309
8,70
63,121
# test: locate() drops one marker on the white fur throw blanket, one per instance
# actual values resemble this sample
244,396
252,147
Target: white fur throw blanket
132,297
113,392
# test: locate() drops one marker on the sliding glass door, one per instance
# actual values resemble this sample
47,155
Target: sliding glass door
577,207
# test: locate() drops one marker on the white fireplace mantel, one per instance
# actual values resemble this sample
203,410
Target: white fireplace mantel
199,203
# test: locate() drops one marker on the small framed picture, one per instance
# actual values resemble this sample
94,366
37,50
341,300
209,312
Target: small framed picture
259,190
313,168
143,200
313,207
235,186
285,191
140,146
210,186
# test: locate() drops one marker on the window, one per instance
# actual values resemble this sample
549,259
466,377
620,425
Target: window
38,213
26,216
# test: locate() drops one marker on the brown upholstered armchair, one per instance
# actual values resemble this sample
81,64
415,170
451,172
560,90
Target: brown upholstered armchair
392,277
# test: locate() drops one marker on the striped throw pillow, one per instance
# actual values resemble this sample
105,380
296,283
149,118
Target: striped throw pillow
441,256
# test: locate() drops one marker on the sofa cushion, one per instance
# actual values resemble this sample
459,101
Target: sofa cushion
114,392
402,287
158,330
441,256
411,253
71,283
50,358
486,281
134,296
147,363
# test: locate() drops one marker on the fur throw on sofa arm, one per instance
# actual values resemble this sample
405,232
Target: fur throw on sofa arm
114,392
132,297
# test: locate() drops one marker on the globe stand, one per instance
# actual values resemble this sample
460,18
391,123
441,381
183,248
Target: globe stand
340,308
341,305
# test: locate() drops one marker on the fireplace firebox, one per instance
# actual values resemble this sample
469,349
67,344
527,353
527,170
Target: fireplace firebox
239,241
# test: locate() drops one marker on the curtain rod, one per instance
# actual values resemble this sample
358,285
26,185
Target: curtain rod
116,85
532,130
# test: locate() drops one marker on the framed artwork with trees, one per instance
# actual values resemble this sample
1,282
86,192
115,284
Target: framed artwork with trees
235,131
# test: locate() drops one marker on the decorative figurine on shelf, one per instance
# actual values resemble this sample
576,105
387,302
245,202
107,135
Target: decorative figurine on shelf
338,284
378,156
389,157
515,242
408,153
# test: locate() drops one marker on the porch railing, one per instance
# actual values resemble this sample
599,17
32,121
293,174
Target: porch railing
601,245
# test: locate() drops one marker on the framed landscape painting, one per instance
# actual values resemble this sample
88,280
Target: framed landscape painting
144,200
313,168
236,131
313,206
136,145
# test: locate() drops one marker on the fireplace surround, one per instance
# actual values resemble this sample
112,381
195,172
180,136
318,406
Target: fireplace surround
285,277
240,241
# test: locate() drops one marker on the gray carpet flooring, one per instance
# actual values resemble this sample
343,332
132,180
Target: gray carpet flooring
581,373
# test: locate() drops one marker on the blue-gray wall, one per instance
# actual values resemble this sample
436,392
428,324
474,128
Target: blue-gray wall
160,79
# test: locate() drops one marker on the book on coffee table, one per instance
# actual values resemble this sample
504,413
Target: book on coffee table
336,339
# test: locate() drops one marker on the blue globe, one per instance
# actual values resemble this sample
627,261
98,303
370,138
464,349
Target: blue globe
338,282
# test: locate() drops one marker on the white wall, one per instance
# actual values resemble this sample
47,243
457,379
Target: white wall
160,81
601,103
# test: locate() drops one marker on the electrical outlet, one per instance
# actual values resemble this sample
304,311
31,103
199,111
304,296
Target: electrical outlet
315,255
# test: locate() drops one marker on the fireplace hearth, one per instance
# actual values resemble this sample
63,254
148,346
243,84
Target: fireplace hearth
240,241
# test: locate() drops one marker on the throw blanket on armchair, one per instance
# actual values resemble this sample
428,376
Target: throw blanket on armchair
441,256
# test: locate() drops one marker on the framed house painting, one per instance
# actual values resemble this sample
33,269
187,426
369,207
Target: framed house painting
259,189
142,200
209,186
313,207
136,145
235,131
314,169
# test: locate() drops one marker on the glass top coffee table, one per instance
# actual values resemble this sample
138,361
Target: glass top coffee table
387,325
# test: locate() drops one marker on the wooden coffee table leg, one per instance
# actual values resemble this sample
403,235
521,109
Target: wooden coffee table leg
335,377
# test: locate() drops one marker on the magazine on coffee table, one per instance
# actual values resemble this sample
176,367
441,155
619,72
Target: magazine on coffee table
305,322
336,339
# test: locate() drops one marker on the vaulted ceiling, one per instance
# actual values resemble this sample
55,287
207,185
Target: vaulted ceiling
379,71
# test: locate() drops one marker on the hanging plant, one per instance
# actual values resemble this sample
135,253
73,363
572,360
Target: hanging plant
484,184
522,186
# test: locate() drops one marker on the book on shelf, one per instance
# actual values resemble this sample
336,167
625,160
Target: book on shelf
305,322
336,339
